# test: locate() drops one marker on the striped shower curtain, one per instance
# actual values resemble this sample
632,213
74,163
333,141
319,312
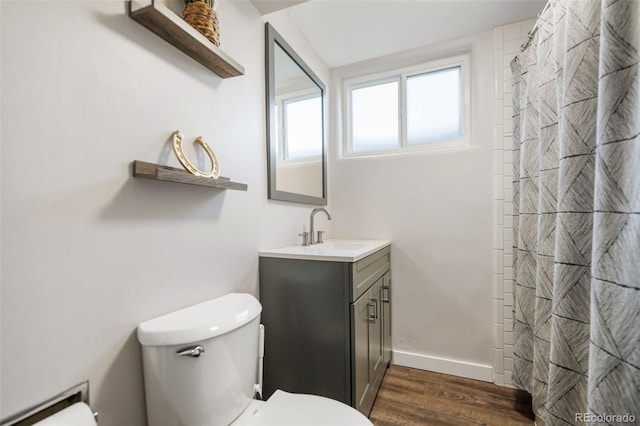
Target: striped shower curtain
577,213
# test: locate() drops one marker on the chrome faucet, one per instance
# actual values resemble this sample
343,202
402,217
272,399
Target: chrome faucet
312,240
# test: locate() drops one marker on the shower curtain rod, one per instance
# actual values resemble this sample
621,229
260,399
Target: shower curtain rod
533,30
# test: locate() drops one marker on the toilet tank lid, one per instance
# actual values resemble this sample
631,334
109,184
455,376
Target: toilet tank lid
200,322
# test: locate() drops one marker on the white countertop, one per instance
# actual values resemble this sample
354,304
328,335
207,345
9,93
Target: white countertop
330,250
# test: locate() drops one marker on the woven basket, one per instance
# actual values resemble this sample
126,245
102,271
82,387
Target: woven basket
204,19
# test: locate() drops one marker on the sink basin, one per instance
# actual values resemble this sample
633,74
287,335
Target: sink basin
331,250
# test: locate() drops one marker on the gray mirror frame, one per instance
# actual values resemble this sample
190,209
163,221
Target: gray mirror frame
271,38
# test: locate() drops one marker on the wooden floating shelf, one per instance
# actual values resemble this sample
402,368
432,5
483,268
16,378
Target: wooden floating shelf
173,29
153,171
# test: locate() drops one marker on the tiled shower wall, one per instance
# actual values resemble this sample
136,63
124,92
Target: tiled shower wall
508,40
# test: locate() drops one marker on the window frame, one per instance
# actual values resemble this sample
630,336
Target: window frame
281,118
401,75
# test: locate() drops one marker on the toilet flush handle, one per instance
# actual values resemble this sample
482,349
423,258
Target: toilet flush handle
192,351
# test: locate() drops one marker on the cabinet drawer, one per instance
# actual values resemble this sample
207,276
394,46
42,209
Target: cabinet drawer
367,271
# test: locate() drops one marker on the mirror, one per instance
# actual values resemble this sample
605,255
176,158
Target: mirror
296,160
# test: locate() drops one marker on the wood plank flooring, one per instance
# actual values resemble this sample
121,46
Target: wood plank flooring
414,397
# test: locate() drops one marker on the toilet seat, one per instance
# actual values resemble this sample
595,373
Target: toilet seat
292,409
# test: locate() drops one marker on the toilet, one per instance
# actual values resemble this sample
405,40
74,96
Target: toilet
202,367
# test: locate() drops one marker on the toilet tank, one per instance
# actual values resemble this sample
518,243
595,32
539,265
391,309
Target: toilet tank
209,387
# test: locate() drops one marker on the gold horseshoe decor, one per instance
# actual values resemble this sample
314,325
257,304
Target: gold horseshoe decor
177,149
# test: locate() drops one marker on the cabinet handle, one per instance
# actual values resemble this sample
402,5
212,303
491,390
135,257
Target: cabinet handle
371,317
385,298
375,308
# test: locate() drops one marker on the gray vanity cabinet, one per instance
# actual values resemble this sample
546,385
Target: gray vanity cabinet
327,326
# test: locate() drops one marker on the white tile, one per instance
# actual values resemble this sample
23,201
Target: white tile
498,159
508,337
497,111
498,87
498,73
499,335
498,212
508,219
498,165
508,156
498,187
508,107
511,31
498,260
508,273
508,126
508,196
508,325
499,379
508,249
508,102
498,132
499,314
512,46
508,233
498,37
507,170
507,84
508,351
508,378
508,298
507,183
498,360
507,260
508,140
507,78
508,363
498,286
508,285
507,111
508,207
498,237
508,313
498,59
507,75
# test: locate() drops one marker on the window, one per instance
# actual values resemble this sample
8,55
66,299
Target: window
303,128
374,116
299,129
408,109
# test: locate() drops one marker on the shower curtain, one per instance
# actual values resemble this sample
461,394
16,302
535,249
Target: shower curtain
576,264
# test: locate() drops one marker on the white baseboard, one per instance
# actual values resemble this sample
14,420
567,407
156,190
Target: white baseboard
454,367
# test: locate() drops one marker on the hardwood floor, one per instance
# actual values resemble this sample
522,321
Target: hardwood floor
414,397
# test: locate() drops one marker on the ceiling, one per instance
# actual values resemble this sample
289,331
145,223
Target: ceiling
348,31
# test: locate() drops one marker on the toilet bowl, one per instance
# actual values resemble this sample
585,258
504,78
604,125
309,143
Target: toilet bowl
294,409
201,368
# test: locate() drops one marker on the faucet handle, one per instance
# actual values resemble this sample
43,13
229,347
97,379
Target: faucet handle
305,236
319,239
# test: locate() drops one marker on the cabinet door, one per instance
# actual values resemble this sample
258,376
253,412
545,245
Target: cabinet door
376,362
367,351
386,318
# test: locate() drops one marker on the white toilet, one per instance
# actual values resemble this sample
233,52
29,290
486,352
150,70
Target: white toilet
201,368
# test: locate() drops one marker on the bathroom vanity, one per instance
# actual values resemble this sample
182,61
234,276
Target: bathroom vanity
327,318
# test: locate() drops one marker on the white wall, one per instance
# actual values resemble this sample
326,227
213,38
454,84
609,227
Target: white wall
436,208
88,252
